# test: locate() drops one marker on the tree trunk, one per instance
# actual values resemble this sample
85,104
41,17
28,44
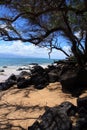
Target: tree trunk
77,54
85,56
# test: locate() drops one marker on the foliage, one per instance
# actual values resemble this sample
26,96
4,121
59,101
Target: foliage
42,22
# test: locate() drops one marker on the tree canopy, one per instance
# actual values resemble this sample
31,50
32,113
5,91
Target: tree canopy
43,22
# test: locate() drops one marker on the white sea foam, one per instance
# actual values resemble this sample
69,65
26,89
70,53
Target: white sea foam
14,70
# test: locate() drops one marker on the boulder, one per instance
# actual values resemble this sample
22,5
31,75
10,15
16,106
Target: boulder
74,81
2,71
22,68
2,86
81,124
37,69
69,108
82,78
6,85
12,80
68,81
51,67
19,69
36,64
59,117
82,106
82,102
55,118
35,126
53,76
24,73
23,83
39,81
12,77
4,66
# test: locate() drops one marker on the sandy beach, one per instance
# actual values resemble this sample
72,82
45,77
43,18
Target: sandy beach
7,72
14,70
19,108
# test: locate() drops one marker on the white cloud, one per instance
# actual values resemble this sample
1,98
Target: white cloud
77,34
67,49
29,50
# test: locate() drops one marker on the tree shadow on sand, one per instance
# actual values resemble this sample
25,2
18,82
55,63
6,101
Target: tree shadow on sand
7,123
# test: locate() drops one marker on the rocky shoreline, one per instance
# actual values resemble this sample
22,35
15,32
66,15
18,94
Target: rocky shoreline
60,117
73,80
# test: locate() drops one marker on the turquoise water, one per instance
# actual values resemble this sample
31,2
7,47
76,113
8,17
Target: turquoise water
23,61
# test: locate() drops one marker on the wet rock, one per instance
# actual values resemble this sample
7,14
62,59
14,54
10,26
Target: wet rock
36,64
4,66
2,71
19,69
23,68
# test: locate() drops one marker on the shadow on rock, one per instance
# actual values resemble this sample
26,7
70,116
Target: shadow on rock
59,118
74,81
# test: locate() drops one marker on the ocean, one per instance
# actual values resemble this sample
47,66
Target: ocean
24,61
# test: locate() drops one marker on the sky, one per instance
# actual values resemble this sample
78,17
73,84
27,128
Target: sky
18,48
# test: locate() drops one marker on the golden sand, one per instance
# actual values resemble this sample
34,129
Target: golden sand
19,108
